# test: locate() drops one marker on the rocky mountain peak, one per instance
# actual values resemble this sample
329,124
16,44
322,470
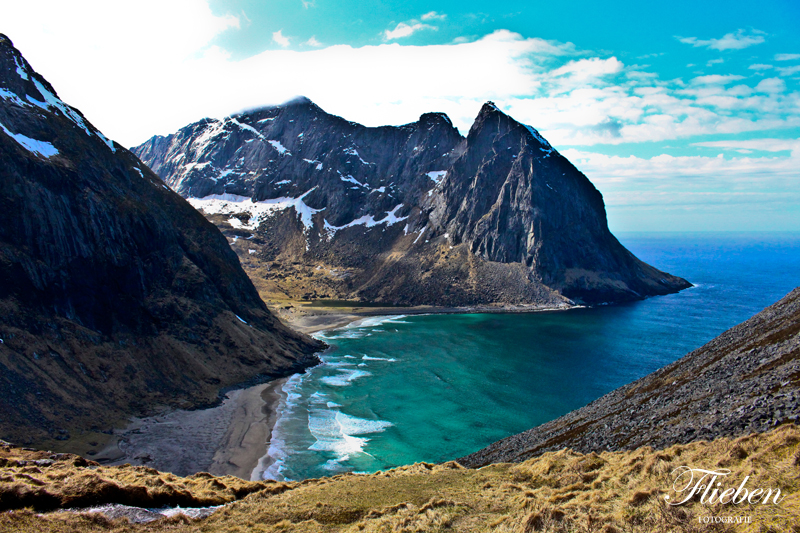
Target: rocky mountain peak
492,117
386,205
24,88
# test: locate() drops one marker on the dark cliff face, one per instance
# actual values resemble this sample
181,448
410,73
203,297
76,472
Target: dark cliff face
512,198
414,214
115,294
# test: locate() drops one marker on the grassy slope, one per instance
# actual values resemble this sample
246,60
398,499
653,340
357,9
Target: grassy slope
559,491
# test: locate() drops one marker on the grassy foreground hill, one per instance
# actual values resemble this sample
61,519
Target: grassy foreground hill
560,491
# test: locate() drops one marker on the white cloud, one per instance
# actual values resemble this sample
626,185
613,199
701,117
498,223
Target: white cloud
433,15
760,66
766,145
583,72
717,172
574,101
716,79
731,41
788,71
100,63
697,192
279,39
112,83
771,85
786,57
406,30
714,62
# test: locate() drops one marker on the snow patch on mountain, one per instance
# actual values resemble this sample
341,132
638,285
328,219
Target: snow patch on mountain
41,148
353,151
232,204
437,175
52,101
280,148
538,137
5,94
367,221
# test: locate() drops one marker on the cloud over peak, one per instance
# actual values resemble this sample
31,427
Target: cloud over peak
406,30
433,15
279,39
730,41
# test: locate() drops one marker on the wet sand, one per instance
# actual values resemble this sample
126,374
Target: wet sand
229,439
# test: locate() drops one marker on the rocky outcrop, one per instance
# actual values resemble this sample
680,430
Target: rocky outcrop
414,214
745,381
115,294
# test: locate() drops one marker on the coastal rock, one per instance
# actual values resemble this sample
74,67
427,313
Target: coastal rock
115,294
745,381
319,207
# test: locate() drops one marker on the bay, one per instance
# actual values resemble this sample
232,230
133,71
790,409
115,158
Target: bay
402,389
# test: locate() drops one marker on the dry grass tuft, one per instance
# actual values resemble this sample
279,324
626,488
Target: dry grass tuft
556,493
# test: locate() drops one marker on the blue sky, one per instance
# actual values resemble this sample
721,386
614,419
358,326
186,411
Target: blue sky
686,115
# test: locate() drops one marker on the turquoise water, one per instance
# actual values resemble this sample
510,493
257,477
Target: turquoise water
401,389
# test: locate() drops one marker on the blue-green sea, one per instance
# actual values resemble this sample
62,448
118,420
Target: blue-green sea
401,389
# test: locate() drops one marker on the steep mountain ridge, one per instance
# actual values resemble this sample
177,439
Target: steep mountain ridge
115,294
413,214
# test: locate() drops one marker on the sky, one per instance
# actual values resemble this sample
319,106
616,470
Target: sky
685,115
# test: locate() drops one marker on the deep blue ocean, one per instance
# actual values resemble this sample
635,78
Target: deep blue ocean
397,390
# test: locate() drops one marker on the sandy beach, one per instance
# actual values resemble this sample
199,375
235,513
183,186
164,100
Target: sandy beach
228,439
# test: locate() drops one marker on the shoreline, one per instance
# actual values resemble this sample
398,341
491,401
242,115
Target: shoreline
272,397
234,437
229,439
309,319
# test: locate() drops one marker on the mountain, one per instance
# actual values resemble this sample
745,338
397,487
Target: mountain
745,381
115,294
319,207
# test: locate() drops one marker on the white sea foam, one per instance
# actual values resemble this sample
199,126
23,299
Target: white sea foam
343,334
336,432
338,364
388,359
278,449
377,321
360,328
345,377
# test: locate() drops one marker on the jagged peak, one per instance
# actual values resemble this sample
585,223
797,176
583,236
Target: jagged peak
490,108
298,100
435,117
